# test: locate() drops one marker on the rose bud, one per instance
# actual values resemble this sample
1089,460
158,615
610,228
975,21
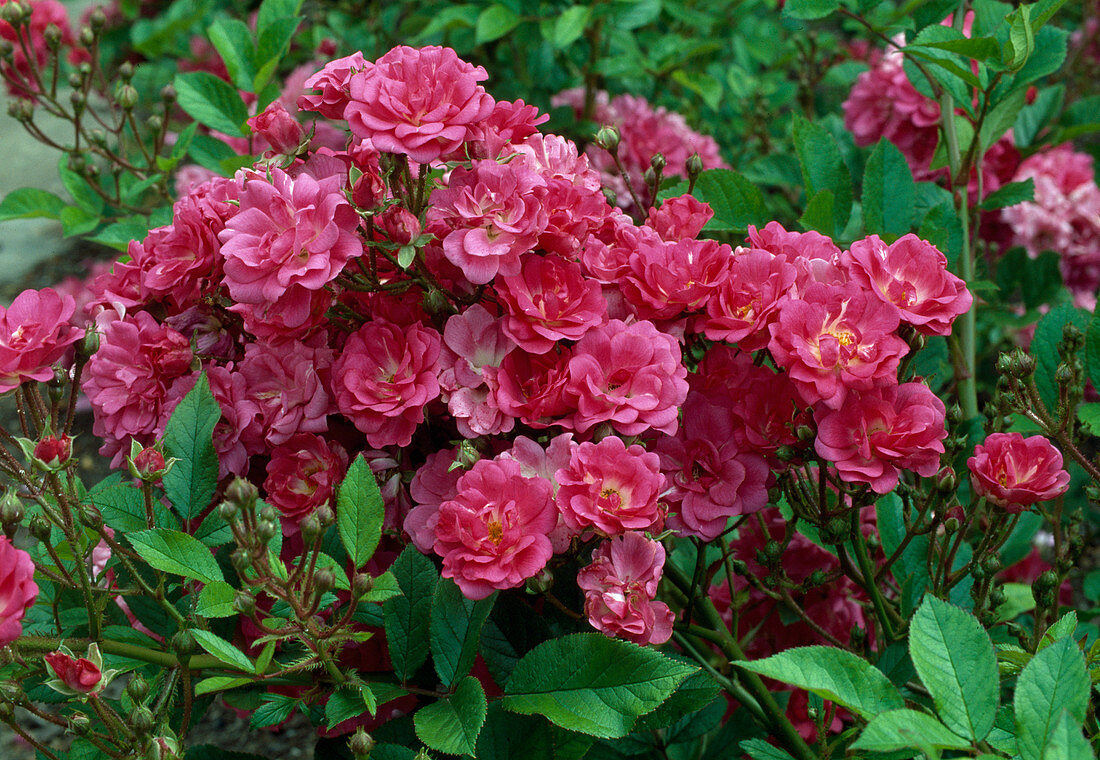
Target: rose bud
399,225
279,128
78,676
148,464
52,452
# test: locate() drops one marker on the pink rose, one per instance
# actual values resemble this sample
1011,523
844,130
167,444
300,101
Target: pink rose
548,301
332,81
79,674
619,588
611,488
420,102
17,590
303,474
281,130
1014,472
34,334
495,533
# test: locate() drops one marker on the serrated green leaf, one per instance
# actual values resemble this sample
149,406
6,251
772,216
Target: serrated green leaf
494,22
1065,626
1054,682
1067,742
274,10
507,736
29,203
233,40
220,683
1051,46
833,674
823,168
216,600
956,662
456,630
360,512
818,215
589,683
211,101
178,553
889,194
122,507
407,617
1044,347
385,586
274,710
223,650
1021,38
452,725
907,729
1009,195
344,704
760,749
271,46
190,483
810,9
696,692
76,221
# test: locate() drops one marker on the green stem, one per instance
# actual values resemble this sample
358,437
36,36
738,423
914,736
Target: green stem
882,612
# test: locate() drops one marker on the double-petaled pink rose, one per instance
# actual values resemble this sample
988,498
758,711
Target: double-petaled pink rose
17,590
1014,472
620,586
34,334
611,487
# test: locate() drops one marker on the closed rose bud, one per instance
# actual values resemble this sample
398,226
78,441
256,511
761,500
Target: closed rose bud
148,465
281,130
53,451
399,225
368,191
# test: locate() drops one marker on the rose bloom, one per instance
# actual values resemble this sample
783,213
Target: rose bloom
619,587
332,81
610,487
495,533
548,301
420,102
748,301
17,590
1014,472
35,332
910,275
384,377
303,474
79,674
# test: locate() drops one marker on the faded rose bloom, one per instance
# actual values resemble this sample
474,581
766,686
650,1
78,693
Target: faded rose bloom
619,588
289,387
1014,472
911,275
35,332
384,378
304,473
879,432
332,81
420,102
610,487
17,590
495,533
279,128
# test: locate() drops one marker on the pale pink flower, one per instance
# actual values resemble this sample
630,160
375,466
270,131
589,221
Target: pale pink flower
288,384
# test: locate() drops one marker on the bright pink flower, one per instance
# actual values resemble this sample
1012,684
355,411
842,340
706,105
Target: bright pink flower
531,387
420,102
238,434
748,301
180,262
507,126
17,590
629,375
607,260
304,473
794,245
487,217
473,341
536,461
384,378
494,533
612,488
1014,472
289,231
836,339
548,301
279,128
879,432
288,384
619,588
35,332
911,275
665,279
79,674
332,81
294,315
680,217
432,484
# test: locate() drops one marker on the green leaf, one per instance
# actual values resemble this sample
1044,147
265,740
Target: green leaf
189,436
1054,682
833,674
456,630
216,600
908,729
1067,742
819,214
703,85
1044,347
759,749
1065,626
589,683
810,9
507,736
79,188
123,508
223,650
385,586
451,725
956,662
274,710
570,25
1001,117
177,553
211,101
407,617
494,22
1038,281
219,683
1033,117
275,10
360,512
696,692
271,46
344,704
76,221
823,168
29,203
1009,195
1021,38
736,202
210,152
119,234
233,41
1051,45
889,194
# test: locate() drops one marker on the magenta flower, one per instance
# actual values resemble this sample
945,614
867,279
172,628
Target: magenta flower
332,81
610,487
748,301
1014,472
288,386
629,375
420,102
35,332
304,473
548,301
911,275
619,588
531,387
17,590
384,377
495,533
665,279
